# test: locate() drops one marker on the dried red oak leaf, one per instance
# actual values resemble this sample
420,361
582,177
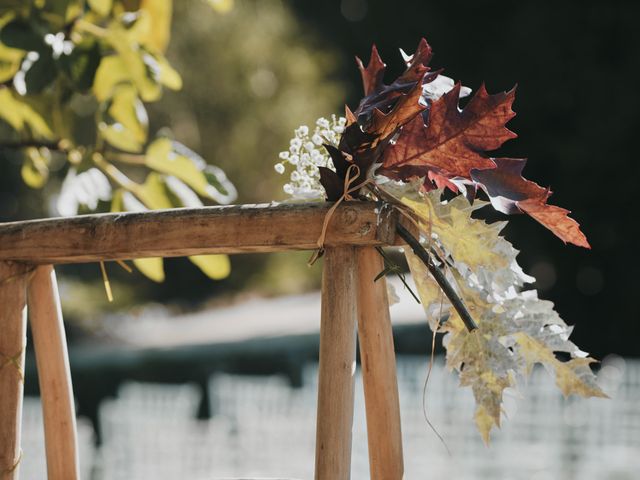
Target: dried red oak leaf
510,193
385,108
373,73
453,141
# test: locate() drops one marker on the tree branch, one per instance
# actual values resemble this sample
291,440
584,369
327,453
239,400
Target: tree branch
51,145
439,277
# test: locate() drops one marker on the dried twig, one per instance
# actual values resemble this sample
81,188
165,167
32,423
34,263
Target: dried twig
439,277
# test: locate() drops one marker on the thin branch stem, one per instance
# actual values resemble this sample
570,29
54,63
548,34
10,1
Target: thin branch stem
51,145
116,175
88,27
439,277
128,158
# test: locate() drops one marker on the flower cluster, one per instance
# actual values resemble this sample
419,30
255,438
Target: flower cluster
306,153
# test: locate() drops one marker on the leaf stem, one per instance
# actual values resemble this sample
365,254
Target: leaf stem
439,277
88,27
116,175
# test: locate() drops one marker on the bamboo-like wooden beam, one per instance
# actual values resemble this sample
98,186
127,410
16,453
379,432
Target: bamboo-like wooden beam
52,360
181,232
13,339
378,361
337,365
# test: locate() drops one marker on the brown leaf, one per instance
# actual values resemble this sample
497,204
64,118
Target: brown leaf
387,107
417,63
557,220
406,107
373,74
333,185
509,192
454,141
351,118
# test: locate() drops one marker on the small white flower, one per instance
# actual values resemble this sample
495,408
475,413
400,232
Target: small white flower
323,122
307,153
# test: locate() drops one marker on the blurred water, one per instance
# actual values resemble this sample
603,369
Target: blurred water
262,427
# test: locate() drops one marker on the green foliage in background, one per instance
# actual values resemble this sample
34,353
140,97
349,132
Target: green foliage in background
75,79
249,77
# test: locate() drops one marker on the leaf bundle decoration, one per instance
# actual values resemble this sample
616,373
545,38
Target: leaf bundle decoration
408,143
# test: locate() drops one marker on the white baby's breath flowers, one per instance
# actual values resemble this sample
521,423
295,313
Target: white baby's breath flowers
306,153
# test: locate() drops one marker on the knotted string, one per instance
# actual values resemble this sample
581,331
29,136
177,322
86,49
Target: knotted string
347,189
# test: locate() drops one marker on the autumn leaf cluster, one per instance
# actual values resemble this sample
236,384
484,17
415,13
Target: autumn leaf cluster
410,141
412,129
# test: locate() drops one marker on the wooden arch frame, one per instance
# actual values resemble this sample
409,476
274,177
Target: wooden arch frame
28,251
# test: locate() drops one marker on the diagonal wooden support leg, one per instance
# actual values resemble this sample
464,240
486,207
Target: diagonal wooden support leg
337,365
13,339
378,361
52,361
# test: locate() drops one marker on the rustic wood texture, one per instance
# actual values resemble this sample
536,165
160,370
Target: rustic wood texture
337,365
45,317
13,324
378,361
180,232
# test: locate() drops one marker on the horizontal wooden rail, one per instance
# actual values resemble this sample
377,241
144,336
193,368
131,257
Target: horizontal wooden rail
184,231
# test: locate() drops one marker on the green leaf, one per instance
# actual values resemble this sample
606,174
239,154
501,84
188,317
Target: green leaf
111,72
153,193
101,7
162,158
81,65
10,58
133,59
163,72
221,6
215,267
159,13
20,115
152,268
41,73
220,188
20,34
35,168
124,124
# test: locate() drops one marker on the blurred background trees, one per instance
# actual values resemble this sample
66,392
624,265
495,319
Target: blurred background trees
252,71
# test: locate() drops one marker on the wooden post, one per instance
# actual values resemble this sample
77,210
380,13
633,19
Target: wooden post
13,340
52,360
337,365
378,361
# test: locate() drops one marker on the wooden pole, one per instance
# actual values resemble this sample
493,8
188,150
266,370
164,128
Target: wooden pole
378,361
52,360
13,340
185,231
337,365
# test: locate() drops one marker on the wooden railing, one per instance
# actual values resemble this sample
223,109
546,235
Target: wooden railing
351,302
